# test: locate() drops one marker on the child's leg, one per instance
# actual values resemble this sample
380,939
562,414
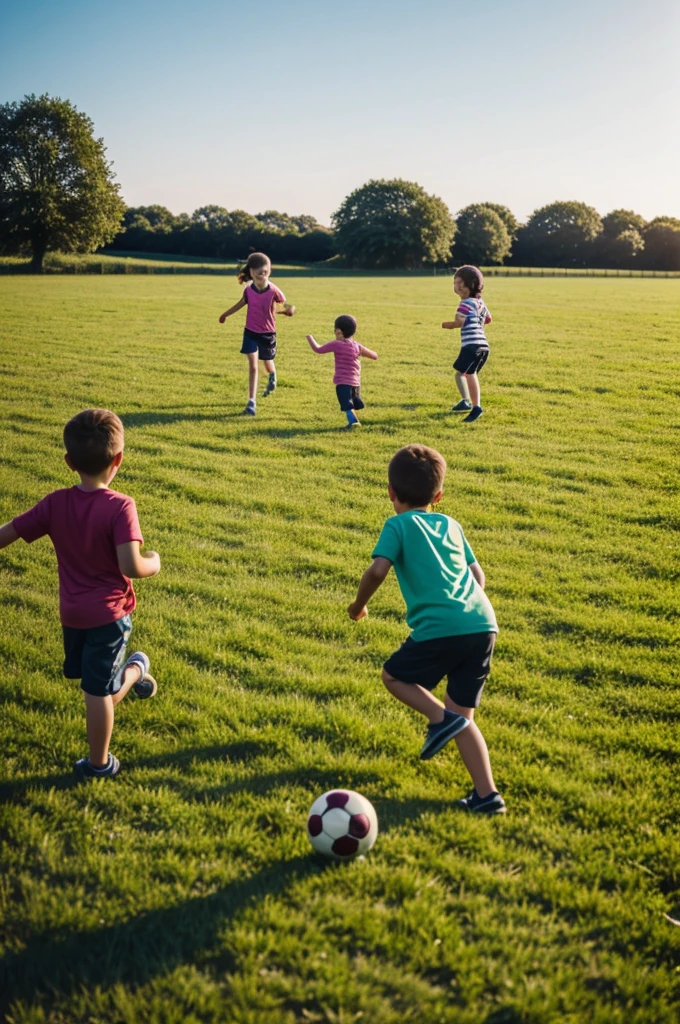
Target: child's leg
252,375
271,370
473,386
473,750
462,385
416,697
99,714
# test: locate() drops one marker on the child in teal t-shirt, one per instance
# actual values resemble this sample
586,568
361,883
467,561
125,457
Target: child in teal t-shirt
453,624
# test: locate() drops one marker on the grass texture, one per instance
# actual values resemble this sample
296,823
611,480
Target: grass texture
185,890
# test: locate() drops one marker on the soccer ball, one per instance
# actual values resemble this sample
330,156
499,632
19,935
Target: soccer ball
342,824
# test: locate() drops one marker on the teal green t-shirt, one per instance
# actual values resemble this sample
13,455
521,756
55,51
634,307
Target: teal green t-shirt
431,558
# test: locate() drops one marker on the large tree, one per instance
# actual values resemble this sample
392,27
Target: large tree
481,237
662,244
393,224
558,235
508,218
56,186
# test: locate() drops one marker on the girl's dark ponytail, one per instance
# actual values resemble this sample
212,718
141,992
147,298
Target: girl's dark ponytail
255,260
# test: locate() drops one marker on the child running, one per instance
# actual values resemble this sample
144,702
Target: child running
453,623
96,536
347,376
259,337
471,316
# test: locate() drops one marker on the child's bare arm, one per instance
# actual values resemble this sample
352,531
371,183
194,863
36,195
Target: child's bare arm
8,535
233,309
313,344
451,325
478,574
368,352
370,581
135,565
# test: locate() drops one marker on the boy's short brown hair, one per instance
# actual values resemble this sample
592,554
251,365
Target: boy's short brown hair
347,324
92,440
416,473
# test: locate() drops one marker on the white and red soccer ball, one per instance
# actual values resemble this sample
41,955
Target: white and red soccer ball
342,824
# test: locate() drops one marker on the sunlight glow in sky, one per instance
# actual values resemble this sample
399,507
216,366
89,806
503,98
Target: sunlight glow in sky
292,104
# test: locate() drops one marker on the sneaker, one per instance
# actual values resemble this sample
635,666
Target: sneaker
477,411
271,385
463,406
146,685
351,426
84,770
491,804
439,734
250,409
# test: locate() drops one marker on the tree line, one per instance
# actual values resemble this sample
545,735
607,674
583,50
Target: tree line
57,193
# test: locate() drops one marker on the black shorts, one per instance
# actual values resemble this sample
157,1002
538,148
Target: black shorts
349,397
466,660
263,344
471,358
95,656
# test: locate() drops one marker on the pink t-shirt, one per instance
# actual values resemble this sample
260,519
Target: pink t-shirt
347,365
85,528
261,315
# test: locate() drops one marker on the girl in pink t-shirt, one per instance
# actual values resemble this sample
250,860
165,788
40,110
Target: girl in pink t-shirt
259,337
347,376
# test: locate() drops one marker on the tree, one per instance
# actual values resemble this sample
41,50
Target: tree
393,224
662,244
56,186
618,221
481,237
621,241
558,235
508,218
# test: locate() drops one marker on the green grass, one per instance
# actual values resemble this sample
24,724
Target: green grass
185,890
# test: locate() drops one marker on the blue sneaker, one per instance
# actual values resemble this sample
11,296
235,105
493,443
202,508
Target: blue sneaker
146,685
271,385
84,770
477,411
439,734
491,804
463,406
250,409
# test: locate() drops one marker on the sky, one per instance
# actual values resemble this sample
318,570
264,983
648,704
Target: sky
293,104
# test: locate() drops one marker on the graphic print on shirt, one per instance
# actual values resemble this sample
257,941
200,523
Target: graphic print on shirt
448,575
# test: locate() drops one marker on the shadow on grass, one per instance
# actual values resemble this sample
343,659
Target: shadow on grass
158,417
156,942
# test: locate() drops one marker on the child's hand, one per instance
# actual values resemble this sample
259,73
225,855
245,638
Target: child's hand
448,325
357,613
223,318
288,310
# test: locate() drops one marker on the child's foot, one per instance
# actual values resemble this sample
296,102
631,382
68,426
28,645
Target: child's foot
463,406
271,385
250,409
439,734
474,415
352,425
146,685
491,804
85,770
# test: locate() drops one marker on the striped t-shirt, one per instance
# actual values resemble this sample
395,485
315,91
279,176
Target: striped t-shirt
261,315
476,315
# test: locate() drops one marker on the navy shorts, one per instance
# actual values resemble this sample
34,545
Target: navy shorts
263,344
96,656
349,397
471,358
465,660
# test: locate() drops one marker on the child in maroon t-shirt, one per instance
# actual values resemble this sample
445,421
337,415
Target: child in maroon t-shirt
97,539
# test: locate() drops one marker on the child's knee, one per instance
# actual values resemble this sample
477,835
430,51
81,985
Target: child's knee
388,680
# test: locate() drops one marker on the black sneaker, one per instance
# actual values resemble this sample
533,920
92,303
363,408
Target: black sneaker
271,385
463,406
439,734
84,770
250,409
477,411
491,804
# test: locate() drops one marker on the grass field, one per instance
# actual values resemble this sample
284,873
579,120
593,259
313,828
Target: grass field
185,890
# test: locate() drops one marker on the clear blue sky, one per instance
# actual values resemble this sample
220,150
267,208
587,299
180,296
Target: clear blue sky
291,104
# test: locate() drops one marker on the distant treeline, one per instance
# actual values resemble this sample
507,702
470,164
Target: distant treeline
214,232
562,234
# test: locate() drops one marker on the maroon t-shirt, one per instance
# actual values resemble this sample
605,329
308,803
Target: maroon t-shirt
85,528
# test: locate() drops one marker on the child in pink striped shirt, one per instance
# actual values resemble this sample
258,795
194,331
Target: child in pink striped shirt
347,376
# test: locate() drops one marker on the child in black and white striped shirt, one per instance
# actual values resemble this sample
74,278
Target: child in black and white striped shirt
471,316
